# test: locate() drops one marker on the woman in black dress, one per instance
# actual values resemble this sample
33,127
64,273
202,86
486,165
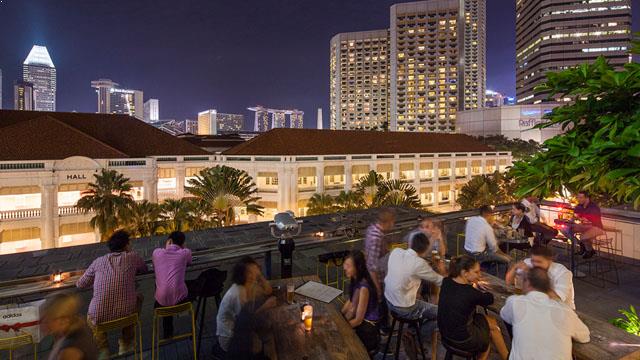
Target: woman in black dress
458,321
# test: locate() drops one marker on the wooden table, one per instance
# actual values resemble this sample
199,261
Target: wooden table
330,338
603,334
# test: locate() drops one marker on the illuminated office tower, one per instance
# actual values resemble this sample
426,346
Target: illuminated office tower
554,35
114,100
23,96
211,122
207,122
296,120
38,69
438,66
230,122
0,89
359,80
152,110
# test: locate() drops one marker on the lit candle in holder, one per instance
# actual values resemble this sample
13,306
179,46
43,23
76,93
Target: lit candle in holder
320,234
57,277
307,316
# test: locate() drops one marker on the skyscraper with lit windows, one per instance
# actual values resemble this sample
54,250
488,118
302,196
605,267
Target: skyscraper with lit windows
554,35
38,69
114,100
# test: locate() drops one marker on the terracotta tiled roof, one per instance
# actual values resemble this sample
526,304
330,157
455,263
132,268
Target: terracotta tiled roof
34,135
342,142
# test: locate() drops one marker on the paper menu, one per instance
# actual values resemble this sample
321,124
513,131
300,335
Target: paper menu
318,291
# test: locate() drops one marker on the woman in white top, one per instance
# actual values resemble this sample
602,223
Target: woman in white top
248,286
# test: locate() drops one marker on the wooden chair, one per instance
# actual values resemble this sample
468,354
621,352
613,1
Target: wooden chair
166,311
119,324
13,343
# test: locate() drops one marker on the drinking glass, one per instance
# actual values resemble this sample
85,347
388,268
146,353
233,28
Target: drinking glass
290,292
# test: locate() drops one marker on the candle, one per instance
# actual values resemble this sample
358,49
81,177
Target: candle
57,277
320,234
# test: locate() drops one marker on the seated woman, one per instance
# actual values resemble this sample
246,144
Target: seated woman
249,288
519,222
361,310
458,321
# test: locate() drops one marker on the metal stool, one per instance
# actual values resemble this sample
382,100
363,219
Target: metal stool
452,350
415,323
211,285
13,343
162,312
333,260
119,324
459,236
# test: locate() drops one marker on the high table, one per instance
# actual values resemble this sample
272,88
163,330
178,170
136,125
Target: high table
331,336
603,334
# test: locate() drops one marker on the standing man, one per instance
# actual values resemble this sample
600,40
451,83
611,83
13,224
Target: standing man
170,265
376,247
560,277
542,328
480,240
113,278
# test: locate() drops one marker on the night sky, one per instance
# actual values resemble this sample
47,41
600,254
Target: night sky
194,55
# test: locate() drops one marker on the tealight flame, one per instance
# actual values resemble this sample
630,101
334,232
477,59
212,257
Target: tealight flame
320,234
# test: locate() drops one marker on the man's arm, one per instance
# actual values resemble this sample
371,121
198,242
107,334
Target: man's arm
490,238
377,282
510,276
506,313
563,286
86,280
140,265
581,332
425,272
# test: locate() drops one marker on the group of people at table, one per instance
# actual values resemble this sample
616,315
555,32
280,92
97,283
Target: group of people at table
544,321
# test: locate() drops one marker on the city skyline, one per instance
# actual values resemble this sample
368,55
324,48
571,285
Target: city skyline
282,67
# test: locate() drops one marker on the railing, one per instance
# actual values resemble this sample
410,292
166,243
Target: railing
68,210
20,214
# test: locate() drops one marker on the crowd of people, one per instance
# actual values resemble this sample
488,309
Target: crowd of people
541,321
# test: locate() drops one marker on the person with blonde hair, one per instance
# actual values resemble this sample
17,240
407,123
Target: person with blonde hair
73,339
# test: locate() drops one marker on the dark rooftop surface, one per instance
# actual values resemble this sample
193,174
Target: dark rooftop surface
34,135
284,141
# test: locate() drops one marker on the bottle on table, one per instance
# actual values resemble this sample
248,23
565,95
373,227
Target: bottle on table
518,281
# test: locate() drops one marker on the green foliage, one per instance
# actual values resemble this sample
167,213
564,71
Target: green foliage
320,204
349,201
142,219
368,187
397,193
481,190
109,197
221,189
177,214
600,150
519,148
630,322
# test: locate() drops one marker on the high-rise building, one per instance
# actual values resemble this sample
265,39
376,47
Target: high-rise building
151,110
0,89
211,122
114,100
278,118
319,120
434,59
493,99
38,69
191,126
359,85
554,35
23,96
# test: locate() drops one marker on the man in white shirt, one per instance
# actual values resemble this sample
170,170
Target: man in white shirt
407,268
542,328
533,211
480,240
561,278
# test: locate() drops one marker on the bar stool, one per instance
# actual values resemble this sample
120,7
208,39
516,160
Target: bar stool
459,236
119,324
166,311
452,350
13,343
211,285
332,260
415,323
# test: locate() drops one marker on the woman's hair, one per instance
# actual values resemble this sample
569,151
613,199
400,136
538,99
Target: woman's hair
459,263
239,272
360,264
520,207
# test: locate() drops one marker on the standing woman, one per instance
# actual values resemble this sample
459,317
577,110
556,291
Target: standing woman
458,321
361,310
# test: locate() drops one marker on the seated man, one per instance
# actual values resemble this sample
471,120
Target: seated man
170,265
561,278
544,232
407,268
589,211
542,328
434,230
113,278
480,240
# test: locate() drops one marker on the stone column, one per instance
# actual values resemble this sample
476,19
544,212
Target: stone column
150,185
416,175
396,169
293,188
283,196
181,173
347,176
320,178
48,213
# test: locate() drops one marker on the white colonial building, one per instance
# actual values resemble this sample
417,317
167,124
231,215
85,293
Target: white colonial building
48,159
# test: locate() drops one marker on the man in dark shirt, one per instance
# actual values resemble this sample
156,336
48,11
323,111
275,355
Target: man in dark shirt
589,213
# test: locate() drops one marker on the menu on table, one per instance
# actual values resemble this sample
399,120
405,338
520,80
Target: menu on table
318,291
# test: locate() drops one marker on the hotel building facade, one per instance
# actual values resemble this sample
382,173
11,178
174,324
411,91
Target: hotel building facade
41,182
554,35
436,56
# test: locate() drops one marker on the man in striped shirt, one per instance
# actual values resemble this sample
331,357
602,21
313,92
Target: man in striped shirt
375,246
113,277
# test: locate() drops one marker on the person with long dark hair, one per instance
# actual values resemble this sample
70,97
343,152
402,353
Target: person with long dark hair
458,321
361,310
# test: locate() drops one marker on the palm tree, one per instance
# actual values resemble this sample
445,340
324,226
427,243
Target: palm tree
321,204
108,196
493,189
368,187
176,214
143,218
223,189
349,200
397,193
199,215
